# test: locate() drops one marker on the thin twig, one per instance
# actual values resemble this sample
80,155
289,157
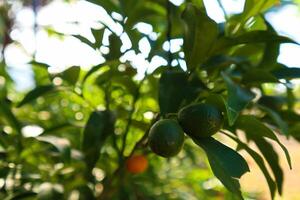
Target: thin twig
131,112
223,9
169,31
142,140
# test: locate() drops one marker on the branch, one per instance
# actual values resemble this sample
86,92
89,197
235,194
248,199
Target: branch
169,29
135,98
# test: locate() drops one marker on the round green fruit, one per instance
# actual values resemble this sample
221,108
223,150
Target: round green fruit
166,138
200,120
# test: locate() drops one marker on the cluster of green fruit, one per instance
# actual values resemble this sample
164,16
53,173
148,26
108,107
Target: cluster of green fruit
166,136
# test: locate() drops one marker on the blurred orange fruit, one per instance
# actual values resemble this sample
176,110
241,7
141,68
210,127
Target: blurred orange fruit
136,164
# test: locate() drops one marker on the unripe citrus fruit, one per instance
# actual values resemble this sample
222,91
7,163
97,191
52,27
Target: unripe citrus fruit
200,120
166,138
136,164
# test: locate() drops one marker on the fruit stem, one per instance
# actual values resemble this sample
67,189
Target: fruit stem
169,29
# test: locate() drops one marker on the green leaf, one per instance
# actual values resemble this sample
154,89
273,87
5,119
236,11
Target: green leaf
98,36
97,67
98,127
84,40
256,129
39,64
276,118
172,89
238,98
260,162
258,76
71,74
287,73
251,37
5,110
199,36
272,158
62,145
151,12
115,44
294,131
254,7
271,52
226,163
35,93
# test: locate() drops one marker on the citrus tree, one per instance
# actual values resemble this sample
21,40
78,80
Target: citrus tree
113,133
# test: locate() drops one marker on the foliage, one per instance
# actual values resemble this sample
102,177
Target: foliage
93,122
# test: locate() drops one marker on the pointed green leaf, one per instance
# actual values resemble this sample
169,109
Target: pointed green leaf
200,34
256,129
226,163
260,162
35,93
251,37
5,110
277,119
271,157
238,98
98,36
61,144
71,74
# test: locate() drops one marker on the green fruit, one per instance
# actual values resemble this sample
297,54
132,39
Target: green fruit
200,120
166,138
50,191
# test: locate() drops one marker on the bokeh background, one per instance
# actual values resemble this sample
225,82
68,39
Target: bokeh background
43,30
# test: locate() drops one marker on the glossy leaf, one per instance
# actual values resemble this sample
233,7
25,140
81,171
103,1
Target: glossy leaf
271,157
260,162
238,98
256,129
226,163
200,34
277,119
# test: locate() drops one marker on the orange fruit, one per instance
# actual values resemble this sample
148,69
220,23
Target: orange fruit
136,164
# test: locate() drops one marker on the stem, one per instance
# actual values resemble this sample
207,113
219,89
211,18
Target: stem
142,140
135,98
35,26
223,9
109,180
169,29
